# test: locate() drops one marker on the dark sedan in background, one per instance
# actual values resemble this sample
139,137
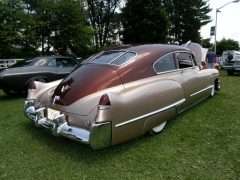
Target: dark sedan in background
16,79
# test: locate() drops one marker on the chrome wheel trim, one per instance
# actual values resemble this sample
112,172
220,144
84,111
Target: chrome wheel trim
38,79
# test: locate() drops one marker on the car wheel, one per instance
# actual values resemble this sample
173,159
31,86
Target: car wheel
39,79
156,130
12,92
230,72
212,91
34,79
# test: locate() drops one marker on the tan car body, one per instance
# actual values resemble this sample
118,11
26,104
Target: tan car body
140,97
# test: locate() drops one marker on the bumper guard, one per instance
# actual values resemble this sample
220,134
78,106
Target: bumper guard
98,137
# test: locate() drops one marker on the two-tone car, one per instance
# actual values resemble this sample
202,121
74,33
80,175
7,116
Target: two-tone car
122,93
16,79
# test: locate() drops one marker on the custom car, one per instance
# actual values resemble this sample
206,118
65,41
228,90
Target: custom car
122,93
16,79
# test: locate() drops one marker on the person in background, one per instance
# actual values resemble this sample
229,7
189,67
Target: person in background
230,57
211,59
71,54
56,52
218,60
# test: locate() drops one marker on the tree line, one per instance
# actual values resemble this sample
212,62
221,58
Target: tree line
30,28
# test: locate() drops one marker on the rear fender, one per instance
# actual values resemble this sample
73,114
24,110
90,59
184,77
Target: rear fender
42,88
132,107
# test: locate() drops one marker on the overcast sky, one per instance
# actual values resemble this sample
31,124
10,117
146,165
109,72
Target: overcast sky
228,20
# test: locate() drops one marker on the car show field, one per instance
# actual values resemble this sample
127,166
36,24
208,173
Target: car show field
201,143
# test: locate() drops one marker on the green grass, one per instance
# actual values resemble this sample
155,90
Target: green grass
201,143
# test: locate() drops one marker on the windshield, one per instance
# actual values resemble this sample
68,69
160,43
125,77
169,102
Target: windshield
39,61
21,63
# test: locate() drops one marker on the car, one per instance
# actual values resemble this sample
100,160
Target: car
16,79
122,93
233,67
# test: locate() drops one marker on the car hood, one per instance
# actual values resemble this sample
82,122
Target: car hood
86,80
9,71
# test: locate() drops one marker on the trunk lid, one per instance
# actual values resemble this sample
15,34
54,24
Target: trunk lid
84,81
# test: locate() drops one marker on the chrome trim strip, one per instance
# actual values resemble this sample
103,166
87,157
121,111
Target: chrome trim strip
202,90
152,113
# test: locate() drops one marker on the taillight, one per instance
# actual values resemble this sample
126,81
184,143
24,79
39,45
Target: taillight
104,102
32,87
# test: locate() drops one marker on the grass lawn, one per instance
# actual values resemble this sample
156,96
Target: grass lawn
201,143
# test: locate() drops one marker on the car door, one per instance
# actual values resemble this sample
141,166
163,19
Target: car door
65,66
193,78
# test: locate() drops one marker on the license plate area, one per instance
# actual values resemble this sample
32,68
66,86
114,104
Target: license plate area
52,113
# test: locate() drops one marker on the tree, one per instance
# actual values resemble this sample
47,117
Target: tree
70,28
60,24
206,43
186,17
100,14
144,21
12,18
227,44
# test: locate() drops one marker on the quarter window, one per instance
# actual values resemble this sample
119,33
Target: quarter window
166,63
52,63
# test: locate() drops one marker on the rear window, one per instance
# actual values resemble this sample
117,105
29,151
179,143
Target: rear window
113,57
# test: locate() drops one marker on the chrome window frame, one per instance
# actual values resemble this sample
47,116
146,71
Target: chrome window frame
92,58
193,59
173,53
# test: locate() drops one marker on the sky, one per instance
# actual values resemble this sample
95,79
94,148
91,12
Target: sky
228,21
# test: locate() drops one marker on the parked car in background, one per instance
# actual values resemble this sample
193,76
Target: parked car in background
223,60
16,79
233,67
121,94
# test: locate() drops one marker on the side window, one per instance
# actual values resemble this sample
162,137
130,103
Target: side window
166,63
185,60
52,63
59,63
71,63
65,63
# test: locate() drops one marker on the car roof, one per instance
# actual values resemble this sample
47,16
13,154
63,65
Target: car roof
141,66
150,47
146,53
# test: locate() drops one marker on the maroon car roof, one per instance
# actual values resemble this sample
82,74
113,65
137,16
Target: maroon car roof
141,66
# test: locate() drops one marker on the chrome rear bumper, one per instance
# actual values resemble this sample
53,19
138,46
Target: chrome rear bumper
98,137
